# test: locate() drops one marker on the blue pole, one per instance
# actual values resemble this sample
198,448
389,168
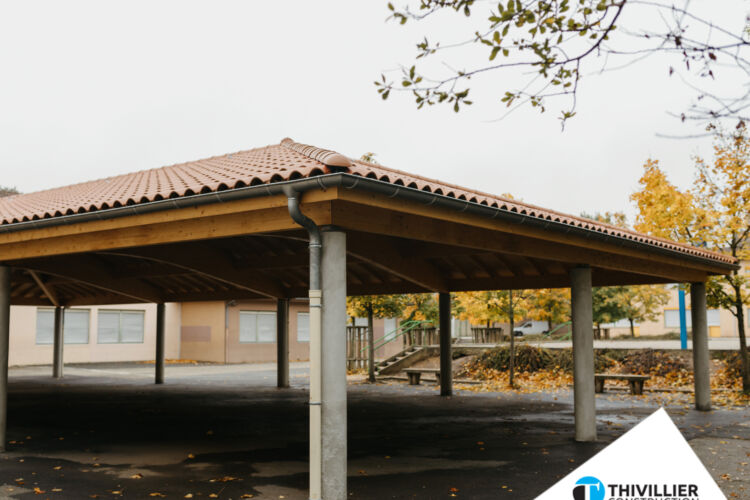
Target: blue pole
683,320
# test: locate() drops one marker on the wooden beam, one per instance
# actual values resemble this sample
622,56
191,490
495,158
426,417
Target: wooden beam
206,261
385,222
48,290
351,198
382,253
198,228
93,273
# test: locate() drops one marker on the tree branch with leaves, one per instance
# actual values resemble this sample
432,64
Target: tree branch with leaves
553,44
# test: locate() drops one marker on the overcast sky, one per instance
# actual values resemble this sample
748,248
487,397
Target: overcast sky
93,89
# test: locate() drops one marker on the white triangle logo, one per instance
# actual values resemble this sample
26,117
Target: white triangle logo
650,461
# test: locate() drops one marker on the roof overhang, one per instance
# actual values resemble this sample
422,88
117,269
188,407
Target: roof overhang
417,239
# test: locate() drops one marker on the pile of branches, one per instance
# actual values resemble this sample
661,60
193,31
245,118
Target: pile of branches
532,359
651,362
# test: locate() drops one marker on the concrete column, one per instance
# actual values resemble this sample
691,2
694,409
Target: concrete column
160,339
701,358
282,343
446,344
333,281
583,353
58,343
4,341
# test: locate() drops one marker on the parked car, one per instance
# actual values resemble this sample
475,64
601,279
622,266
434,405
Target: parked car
529,328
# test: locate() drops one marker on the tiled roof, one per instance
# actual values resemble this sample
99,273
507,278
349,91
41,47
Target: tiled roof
288,160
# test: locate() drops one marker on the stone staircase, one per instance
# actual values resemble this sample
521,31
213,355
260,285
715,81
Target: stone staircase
403,359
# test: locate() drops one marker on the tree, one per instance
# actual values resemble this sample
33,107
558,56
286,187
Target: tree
421,307
493,306
8,191
608,306
643,303
553,43
488,307
550,304
370,307
714,213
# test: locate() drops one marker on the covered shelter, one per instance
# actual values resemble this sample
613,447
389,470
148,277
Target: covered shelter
292,220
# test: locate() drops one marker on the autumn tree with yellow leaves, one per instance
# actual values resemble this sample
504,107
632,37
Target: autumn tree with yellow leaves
714,213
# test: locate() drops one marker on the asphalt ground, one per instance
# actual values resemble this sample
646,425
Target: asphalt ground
225,431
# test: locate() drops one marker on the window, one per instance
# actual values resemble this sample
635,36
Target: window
75,326
120,327
45,326
672,318
257,326
303,327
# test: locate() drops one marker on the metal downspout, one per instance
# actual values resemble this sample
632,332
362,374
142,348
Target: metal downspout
316,374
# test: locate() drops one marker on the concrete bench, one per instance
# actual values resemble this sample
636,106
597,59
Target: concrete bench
636,381
415,374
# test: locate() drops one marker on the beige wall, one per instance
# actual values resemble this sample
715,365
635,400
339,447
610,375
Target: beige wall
202,334
220,345
256,352
726,328
25,351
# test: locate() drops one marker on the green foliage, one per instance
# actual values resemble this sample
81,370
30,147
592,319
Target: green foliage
551,41
380,306
421,307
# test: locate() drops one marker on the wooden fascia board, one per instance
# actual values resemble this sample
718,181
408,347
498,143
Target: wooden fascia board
96,237
373,200
478,235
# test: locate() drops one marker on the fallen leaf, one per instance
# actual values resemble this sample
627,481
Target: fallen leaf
38,491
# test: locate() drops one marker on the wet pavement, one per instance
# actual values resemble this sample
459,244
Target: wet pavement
226,431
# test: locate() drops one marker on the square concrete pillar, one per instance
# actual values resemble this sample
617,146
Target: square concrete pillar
161,329
581,304
446,344
282,343
701,358
333,285
4,341
58,342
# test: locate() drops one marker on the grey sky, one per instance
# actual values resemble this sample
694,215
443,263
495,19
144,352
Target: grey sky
93,89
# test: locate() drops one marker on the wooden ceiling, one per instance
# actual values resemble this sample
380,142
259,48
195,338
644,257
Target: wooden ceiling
276,265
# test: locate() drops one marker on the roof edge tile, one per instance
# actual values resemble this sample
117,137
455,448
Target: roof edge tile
325,156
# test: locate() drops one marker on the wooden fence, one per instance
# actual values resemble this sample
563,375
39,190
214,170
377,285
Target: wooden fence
483,335
356,344
421,336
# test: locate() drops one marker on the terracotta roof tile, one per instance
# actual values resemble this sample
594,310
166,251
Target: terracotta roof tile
285,161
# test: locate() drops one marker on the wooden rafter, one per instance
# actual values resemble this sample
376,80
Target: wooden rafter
383,254
90,272
48,290
209,262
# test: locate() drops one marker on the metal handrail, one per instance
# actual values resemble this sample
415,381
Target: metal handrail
557,328
404,328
